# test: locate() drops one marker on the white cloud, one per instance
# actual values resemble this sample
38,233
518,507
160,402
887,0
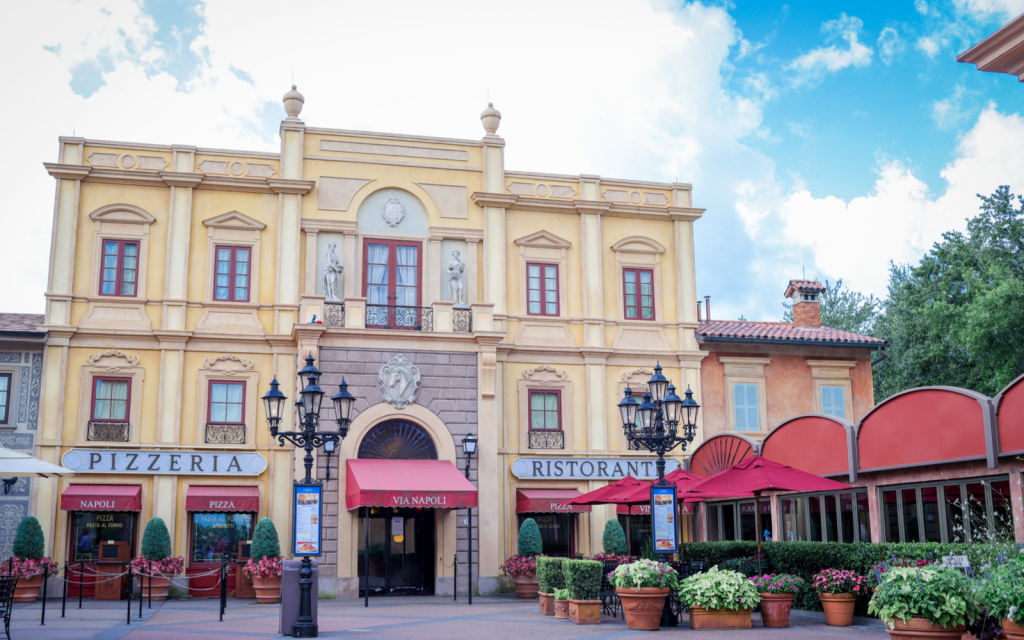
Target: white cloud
985,9
950,112
921,7
814,64
928,45
890,44
801,129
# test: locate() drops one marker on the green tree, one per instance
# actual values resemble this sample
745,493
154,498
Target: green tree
844,309
614,539
156,542
264,540
957,318
529,538
29,543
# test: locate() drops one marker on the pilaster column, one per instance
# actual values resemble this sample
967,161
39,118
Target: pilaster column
471,270
494,213
289,212
683,216
489,474
590,209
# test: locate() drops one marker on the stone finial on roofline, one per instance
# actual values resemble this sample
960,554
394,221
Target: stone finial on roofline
491,118
293,101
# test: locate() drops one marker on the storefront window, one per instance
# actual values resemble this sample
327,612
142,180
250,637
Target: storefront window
215,533
728,522
555,532
978,510
863,518
90,528
1002,509
724,517
930,504
846,516
892,516
814,507
794,521
830,517
911,532
747,531
638,531
714,532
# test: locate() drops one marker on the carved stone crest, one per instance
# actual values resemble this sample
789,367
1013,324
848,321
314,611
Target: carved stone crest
393,211
113,360
398,382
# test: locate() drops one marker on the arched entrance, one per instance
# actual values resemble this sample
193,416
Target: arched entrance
401,540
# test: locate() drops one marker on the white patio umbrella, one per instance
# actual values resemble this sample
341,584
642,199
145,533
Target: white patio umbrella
15,464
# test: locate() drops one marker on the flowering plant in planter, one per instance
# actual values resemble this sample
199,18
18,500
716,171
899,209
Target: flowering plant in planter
644,573
715,589
520,566
1002,591
833,581
31,567
941,595
265,553
264,568
165,566
612,557
781,583
877,573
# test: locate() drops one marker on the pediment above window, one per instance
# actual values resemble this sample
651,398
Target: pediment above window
234,220
122,213
638,244
543,239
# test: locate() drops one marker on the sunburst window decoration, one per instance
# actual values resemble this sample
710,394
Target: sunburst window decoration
398,440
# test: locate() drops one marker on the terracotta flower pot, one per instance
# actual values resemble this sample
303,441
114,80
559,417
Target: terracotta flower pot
1012,630
719,618
921,628
838,608
562,609
161,587
547,603
27,589
526,586
584,611
642,607
268,590
775,608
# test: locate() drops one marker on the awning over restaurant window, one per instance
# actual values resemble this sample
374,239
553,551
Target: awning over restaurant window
222,499
102,497
548,501
685,508
434,484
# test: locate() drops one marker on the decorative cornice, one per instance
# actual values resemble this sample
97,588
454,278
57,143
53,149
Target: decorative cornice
181,179
500,200
318,225
284,185
67,171
231,183
592,206
685,213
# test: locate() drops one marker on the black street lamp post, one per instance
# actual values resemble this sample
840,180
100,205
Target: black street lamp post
469,448
653,426
309,438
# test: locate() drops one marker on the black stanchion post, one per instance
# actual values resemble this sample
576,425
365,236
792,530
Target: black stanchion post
150,585
141,576
223,585
81,582
455,584
64,597
129,598
469,539
46,579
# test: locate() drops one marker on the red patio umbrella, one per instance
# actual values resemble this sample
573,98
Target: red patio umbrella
757,474
608,494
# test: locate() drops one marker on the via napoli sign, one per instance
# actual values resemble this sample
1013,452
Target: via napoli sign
190,463
588,468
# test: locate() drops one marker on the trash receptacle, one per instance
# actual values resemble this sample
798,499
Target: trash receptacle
290,594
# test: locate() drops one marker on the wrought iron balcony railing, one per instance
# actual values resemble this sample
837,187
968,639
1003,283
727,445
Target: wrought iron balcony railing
547,439
462,320
225,433
334,314
108,431
395,317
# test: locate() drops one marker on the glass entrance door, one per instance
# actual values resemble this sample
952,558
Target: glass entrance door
401,551
391,284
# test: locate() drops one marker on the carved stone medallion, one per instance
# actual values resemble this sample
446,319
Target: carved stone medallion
398,382
393,211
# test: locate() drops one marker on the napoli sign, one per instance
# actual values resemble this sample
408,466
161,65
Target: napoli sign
191,463
588,468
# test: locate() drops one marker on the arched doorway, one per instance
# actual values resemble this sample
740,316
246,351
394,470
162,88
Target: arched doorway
401,540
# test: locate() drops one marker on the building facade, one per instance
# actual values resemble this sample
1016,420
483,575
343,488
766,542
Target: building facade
454,296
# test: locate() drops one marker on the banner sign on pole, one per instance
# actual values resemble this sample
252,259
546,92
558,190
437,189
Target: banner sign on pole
663,515
306,527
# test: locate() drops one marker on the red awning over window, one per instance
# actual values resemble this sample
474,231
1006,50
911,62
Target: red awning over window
548,501
435,484
102,497
685,508
222,499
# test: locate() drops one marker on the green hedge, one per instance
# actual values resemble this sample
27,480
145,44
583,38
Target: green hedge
614,538
583,579
805,559
265,542
550,574
29,543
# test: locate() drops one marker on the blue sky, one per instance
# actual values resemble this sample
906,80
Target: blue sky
821,137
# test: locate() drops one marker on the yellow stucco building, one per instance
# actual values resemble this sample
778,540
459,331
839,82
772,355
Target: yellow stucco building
453,295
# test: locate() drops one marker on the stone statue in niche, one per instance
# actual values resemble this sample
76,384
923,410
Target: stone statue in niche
398,382
332,275
456,286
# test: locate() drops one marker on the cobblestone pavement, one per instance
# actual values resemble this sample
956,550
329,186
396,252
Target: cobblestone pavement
407,618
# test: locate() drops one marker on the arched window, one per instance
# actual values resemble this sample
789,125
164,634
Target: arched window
398,440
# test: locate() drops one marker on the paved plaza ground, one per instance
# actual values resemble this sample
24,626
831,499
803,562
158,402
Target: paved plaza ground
406,618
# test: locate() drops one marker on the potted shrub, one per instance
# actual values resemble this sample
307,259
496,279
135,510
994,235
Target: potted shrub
562,603
522,567
264,565
550,578
925,602
1002,596
642,587
719,599
614,538
838,590
29,564
777,592
155,567
583,580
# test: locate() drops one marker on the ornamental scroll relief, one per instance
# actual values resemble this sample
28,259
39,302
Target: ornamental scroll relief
241,365
126,361
545,375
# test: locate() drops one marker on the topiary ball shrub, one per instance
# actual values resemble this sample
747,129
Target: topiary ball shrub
264,541
614,539
549,574
583,579
529,539
156,542
29,543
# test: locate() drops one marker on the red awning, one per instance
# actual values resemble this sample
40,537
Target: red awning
548,501
435,484
102,497
645,509
222,499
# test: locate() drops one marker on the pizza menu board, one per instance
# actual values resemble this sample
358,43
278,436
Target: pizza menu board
663,514
308,500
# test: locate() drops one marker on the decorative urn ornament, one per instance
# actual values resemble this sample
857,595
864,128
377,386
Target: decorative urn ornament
491,118
293,102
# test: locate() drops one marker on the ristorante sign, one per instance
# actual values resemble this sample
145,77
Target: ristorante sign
588,468
198,463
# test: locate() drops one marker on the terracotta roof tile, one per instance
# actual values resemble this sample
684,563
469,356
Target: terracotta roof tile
780,332
21,322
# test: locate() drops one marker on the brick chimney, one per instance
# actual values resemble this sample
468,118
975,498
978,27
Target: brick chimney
806,309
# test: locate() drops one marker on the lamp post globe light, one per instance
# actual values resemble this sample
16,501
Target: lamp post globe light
469,448
309,437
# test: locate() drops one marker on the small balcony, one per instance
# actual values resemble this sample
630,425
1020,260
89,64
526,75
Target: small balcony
108,431
547,439
401,318
225,433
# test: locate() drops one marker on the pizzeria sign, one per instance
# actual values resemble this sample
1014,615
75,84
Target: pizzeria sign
187,463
